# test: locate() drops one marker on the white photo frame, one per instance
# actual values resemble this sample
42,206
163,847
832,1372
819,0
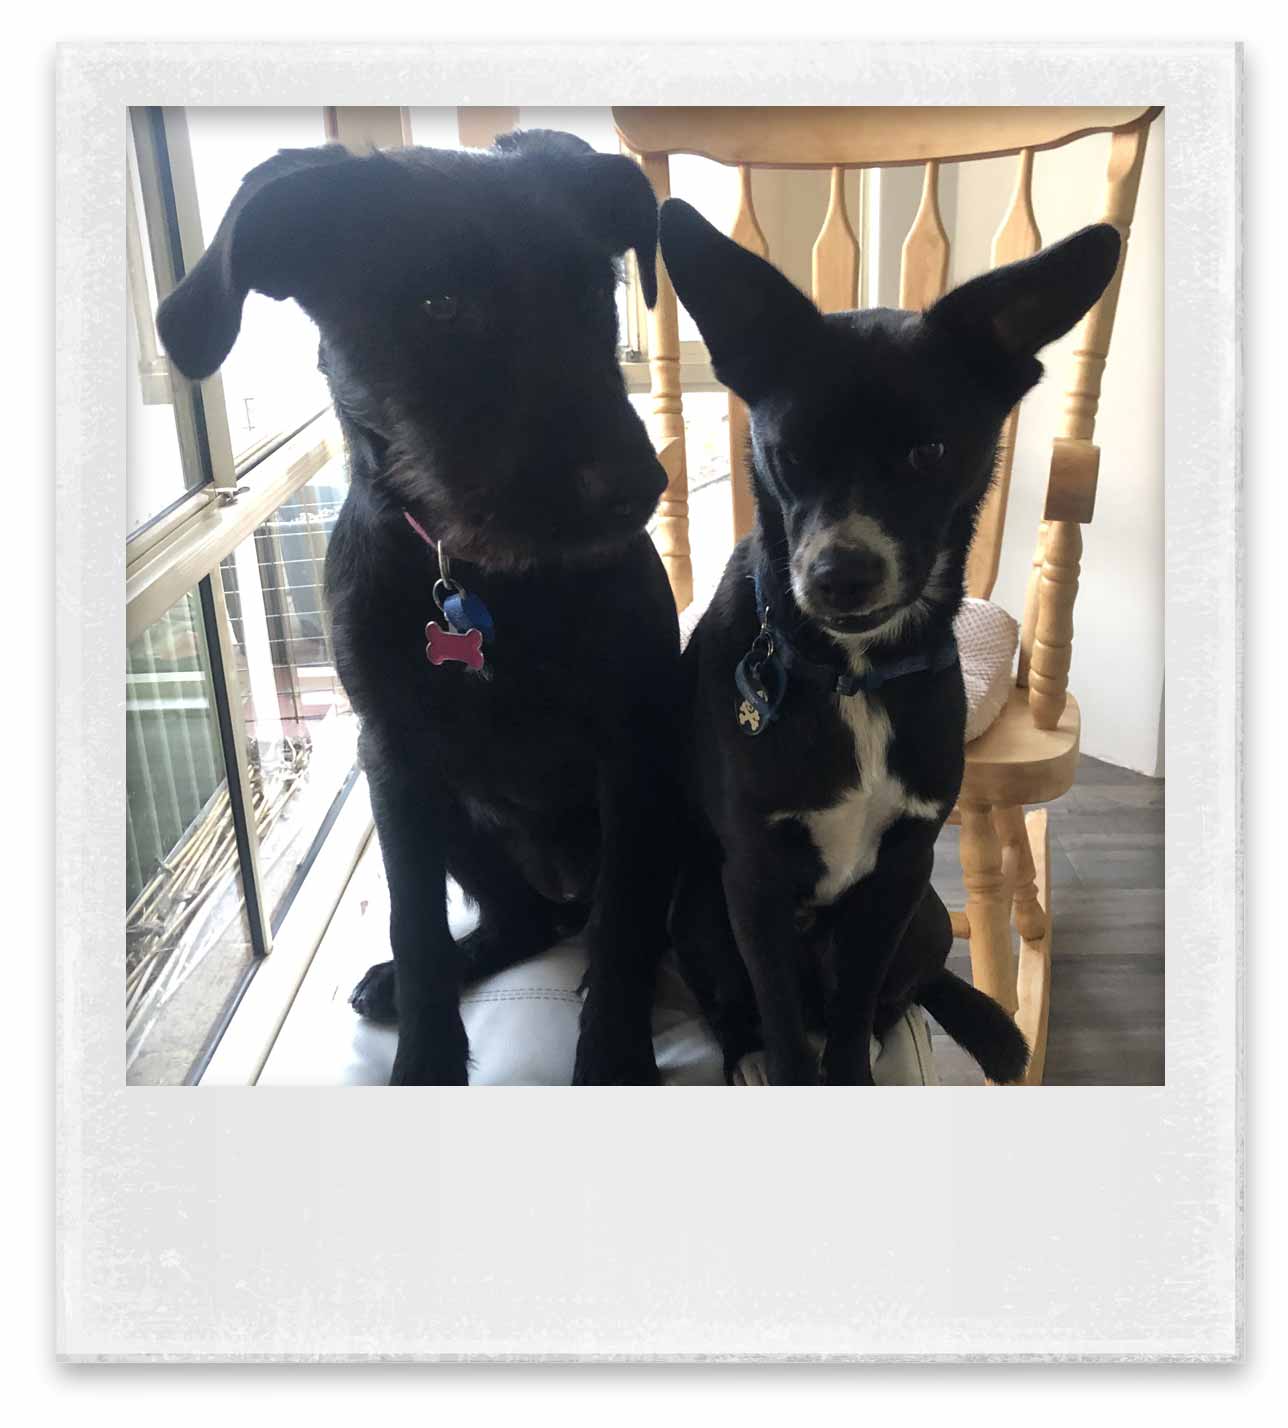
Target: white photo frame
448,1225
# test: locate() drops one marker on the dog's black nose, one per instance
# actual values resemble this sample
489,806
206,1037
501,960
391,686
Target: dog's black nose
846,577
626,494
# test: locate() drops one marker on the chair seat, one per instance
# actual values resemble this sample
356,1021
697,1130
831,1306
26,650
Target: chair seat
1015,762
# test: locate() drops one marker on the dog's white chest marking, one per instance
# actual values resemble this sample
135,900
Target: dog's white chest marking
848,834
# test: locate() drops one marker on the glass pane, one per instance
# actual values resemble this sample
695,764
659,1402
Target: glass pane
155,476
271,382
301,735
188,942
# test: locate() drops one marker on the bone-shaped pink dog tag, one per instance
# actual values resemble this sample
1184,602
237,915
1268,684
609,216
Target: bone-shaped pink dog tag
446,646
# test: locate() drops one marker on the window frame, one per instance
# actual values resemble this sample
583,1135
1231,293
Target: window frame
180,550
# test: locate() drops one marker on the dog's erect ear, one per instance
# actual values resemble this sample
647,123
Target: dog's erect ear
270,240
1026,305
756,323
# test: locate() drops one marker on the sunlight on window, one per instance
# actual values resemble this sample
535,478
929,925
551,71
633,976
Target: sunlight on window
187,940
155,474
301,736
271,381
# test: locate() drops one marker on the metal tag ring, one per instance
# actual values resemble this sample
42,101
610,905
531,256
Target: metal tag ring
452,587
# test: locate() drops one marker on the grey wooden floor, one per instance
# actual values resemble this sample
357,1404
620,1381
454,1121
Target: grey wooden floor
1107,952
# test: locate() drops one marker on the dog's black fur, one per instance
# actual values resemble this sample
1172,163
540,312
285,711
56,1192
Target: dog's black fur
468,331
873,442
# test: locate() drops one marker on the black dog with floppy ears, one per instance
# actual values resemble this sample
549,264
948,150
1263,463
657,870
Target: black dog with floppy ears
830,713
502,623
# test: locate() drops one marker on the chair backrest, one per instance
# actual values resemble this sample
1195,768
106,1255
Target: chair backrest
842,139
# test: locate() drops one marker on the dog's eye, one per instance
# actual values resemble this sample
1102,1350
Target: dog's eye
926,457
440,309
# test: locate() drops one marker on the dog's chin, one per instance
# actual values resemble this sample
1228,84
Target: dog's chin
605,543
514,553
865,624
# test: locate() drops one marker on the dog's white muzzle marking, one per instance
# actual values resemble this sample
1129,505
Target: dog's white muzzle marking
854,532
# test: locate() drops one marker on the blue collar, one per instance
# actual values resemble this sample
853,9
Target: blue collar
762,673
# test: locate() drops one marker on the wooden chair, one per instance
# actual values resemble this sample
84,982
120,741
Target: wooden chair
1030,754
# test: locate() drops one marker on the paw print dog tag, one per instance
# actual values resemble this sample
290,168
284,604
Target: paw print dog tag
762,683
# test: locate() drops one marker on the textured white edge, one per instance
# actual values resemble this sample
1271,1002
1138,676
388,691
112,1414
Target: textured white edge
630,1225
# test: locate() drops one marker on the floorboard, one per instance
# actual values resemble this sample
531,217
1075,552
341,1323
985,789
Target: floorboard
1107,952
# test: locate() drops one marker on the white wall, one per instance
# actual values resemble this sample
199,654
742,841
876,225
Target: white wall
1117,671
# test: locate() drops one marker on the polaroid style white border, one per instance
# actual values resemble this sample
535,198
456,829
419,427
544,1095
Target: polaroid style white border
345,1224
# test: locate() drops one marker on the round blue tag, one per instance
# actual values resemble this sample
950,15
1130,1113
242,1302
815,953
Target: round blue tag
468,612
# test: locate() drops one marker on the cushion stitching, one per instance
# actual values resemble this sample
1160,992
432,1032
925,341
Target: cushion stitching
523,994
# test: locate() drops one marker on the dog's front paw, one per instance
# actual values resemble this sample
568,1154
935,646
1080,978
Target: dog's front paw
754,1069
435,1056
848,1062
751,1070
797,1069
613,1051
376,995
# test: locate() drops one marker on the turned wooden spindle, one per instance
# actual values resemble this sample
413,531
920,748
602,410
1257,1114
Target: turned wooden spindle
1033,976
1030,621
988,912
1075,459
1053,636
1017,237
834,266
1020,871
923,269
667,420
747,231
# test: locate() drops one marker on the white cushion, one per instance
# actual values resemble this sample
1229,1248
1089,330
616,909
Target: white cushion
986,640
693,612
522,1027
522,1023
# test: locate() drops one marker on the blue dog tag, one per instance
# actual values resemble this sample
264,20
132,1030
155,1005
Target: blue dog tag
468,612
762,683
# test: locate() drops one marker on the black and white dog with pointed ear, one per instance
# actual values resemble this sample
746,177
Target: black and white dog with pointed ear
501,621
827,747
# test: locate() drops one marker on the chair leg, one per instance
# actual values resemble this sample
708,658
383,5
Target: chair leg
1021,872
1034,983
987,905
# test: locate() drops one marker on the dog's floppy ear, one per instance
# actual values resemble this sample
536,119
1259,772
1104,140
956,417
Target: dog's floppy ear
270,238
756,323
1026,305
609,191
621,208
